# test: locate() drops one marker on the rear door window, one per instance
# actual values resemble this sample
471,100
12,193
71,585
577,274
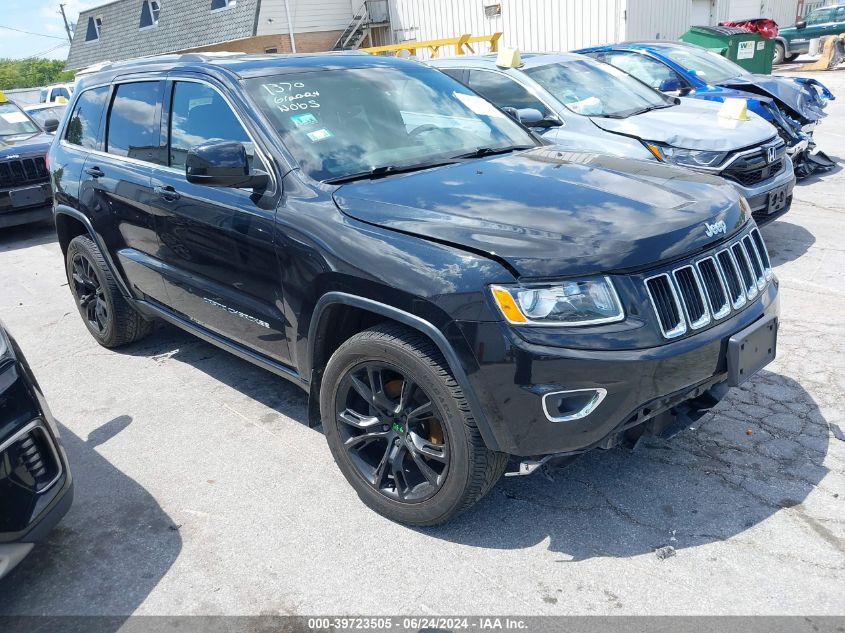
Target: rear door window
83,127
133,124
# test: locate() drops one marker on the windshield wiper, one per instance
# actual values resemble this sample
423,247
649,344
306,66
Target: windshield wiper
625,115
490,151
386,170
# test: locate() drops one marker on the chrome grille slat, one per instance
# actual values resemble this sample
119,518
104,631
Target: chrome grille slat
756,262
737,250
693,295
762,252
667,306
714,286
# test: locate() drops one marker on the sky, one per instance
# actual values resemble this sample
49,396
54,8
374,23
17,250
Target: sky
41,17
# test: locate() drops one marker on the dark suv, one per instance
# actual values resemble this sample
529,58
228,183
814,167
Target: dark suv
449,290
24,185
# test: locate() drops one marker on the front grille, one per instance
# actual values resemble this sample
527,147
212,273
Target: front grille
24,171
695,294
754,168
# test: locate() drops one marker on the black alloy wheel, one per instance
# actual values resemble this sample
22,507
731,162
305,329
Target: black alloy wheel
392,431
90,294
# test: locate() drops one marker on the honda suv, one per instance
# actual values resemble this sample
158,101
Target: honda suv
449,290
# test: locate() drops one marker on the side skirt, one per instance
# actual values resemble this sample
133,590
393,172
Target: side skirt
151,309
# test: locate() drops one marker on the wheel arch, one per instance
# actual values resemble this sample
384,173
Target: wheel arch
71,223
323,339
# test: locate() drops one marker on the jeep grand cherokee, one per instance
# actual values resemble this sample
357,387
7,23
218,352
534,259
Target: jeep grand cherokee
449,290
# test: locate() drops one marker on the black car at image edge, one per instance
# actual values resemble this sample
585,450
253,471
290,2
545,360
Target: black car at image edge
36,487
452,293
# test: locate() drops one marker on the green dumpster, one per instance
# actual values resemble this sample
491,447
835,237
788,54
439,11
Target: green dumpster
750,50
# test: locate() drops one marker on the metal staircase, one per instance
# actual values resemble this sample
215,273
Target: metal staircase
362,22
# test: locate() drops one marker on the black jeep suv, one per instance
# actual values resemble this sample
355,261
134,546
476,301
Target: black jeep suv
24,185
449,290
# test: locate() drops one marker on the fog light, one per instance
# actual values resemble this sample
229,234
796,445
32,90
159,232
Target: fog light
566,406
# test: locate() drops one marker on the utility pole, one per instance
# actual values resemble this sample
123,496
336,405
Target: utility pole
67,26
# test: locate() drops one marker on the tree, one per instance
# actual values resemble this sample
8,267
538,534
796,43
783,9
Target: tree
32,73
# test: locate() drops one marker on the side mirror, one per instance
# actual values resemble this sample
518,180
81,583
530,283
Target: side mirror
51,125
529,116
222,164
670,84
801,24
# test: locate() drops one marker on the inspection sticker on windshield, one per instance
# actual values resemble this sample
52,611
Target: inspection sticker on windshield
303,120
319,135
14,117
478,105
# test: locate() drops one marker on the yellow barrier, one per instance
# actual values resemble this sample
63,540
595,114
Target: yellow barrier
462,44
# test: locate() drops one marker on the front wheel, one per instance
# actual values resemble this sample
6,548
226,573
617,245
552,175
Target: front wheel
400,429
780,54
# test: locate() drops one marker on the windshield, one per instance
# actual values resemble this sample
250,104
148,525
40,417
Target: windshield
709,66
593,89
341,122
13,121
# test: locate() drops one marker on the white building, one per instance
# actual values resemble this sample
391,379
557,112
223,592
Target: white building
546,25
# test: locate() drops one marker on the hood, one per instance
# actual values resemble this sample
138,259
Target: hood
693,124
25,144
804,99
550,213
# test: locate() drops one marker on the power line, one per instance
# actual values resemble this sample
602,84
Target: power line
49,50
11,28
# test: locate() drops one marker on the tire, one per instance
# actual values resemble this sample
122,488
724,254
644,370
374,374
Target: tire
111,320
780,53
467,468
792,57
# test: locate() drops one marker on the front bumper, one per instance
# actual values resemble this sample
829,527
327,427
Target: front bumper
36,486
514,375
11,215
758,195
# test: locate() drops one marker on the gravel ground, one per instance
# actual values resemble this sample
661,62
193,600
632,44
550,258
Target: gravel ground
200,489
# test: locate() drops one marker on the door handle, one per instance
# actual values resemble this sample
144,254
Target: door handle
94,172
166,192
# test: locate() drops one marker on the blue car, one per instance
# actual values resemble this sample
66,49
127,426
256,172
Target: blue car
793,105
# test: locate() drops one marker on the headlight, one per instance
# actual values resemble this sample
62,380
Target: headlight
686,157
570,303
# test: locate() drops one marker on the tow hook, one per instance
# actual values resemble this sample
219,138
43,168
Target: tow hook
528,465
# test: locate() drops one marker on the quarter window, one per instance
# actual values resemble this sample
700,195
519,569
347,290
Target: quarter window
504,91
133,127
83,127
150,10
199,114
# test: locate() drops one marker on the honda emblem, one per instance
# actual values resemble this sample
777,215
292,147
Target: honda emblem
771,154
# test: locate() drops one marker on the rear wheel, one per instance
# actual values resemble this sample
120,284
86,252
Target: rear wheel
792,57
106,314
400,429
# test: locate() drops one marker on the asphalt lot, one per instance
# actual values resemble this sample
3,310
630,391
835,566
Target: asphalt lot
201,490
